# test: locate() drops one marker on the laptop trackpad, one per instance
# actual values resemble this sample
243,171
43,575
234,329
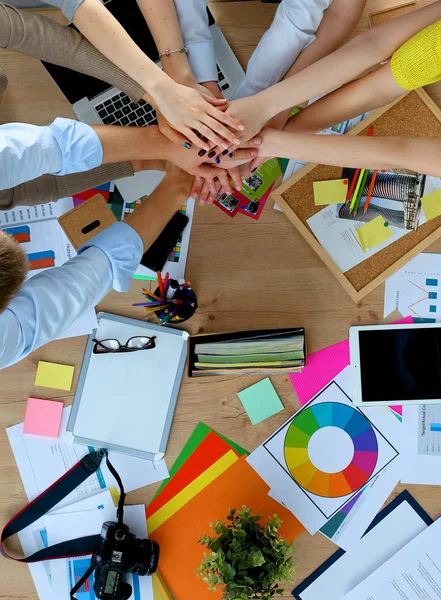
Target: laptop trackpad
141,184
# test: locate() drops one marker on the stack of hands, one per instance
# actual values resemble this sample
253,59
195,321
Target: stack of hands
213,140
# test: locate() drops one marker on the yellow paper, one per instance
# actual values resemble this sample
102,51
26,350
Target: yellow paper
189,492
333,191
432,204
55,376
373,233
160,590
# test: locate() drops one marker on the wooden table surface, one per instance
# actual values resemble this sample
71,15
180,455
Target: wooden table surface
231,265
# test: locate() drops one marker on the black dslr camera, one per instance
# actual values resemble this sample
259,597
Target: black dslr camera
120,553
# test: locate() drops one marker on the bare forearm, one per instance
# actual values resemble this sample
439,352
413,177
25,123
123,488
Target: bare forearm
101,28
349,61
149,219
162,20
131,143
362,95
416,154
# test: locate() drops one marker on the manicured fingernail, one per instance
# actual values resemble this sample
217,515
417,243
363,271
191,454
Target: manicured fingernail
236,141
217,160
187,145
231,155
254,153
202,152
212,153
257,141
241,127
225,152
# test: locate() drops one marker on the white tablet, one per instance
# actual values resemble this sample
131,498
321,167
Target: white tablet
396,364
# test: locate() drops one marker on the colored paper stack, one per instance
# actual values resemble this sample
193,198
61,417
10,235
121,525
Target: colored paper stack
210,476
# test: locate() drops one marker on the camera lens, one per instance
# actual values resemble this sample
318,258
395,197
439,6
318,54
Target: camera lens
146,557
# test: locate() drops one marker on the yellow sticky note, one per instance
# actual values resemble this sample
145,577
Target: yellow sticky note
55,376
373,233
432,204
333,191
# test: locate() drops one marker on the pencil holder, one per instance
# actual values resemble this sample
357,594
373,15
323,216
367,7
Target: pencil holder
184,311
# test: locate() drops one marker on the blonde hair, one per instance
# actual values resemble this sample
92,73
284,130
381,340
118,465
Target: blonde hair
13,268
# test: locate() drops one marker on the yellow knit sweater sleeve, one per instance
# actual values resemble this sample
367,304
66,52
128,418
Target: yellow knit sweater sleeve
418,61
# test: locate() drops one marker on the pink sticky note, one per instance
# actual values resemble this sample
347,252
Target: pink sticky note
323,366
43,417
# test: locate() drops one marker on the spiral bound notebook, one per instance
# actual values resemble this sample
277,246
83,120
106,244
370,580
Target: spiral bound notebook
125,401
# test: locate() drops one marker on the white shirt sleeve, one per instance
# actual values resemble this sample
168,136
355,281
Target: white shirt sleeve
193,19
292,30
29,151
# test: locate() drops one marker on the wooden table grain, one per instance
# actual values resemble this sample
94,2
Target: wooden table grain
232,264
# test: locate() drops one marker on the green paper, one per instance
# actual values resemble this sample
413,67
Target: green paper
260,401
197,437
267,174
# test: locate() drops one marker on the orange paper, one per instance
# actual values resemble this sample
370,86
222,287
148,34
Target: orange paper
181,554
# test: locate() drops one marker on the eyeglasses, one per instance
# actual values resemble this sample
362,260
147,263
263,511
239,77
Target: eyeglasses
132,345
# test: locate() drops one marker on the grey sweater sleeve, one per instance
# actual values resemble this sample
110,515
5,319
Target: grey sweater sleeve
45,39
50,188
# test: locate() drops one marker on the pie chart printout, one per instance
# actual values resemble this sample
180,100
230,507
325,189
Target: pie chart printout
331,449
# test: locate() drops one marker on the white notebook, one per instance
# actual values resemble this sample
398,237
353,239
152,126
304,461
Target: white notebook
126,401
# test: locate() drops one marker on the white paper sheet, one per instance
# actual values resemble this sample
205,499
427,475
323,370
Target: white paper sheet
396,530
34,538
41,461
337,236
416,288
413,573
313,511
421,444
46,234
66,572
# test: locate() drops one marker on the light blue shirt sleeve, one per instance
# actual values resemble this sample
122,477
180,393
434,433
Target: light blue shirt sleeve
68,7
193,19
51,301
28,151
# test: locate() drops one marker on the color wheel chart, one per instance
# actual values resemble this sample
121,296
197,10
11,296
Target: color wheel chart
331,425
330,450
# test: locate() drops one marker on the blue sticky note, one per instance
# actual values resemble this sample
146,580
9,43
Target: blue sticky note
260,401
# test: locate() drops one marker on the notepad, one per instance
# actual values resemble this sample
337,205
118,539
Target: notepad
56,376
374,233
43,417
432,204
333,191
260,401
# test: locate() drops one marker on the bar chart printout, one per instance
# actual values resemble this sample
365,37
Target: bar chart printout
429,432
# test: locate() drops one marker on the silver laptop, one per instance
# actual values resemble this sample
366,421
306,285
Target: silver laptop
94,102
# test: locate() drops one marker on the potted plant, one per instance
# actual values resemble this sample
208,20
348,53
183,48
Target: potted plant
247,559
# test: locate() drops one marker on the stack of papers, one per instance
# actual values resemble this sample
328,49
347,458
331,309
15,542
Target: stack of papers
41,461
210,475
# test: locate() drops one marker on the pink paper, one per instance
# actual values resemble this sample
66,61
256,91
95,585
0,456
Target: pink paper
323,366
43,417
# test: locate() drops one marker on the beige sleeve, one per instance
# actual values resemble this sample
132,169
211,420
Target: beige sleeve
43,38
50,188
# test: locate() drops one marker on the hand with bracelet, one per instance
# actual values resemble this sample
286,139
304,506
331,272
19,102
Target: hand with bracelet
185,109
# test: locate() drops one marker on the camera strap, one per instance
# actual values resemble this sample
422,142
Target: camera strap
50,498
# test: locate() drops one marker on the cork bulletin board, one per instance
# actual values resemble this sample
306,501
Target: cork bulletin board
414,115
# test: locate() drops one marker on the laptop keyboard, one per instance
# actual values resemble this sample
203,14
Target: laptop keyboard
120,110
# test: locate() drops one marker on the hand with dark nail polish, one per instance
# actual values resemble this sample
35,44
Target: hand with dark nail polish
212,153
230,155
217,160
225,152
201,152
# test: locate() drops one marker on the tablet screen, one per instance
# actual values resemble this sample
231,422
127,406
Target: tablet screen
400,364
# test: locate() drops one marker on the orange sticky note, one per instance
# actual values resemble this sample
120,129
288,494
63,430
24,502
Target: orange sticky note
178,537
43,417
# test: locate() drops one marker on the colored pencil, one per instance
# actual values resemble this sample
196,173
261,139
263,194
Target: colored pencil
357,188
353,182
161,285
360,193
371,189
167,277
147,293
155,309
